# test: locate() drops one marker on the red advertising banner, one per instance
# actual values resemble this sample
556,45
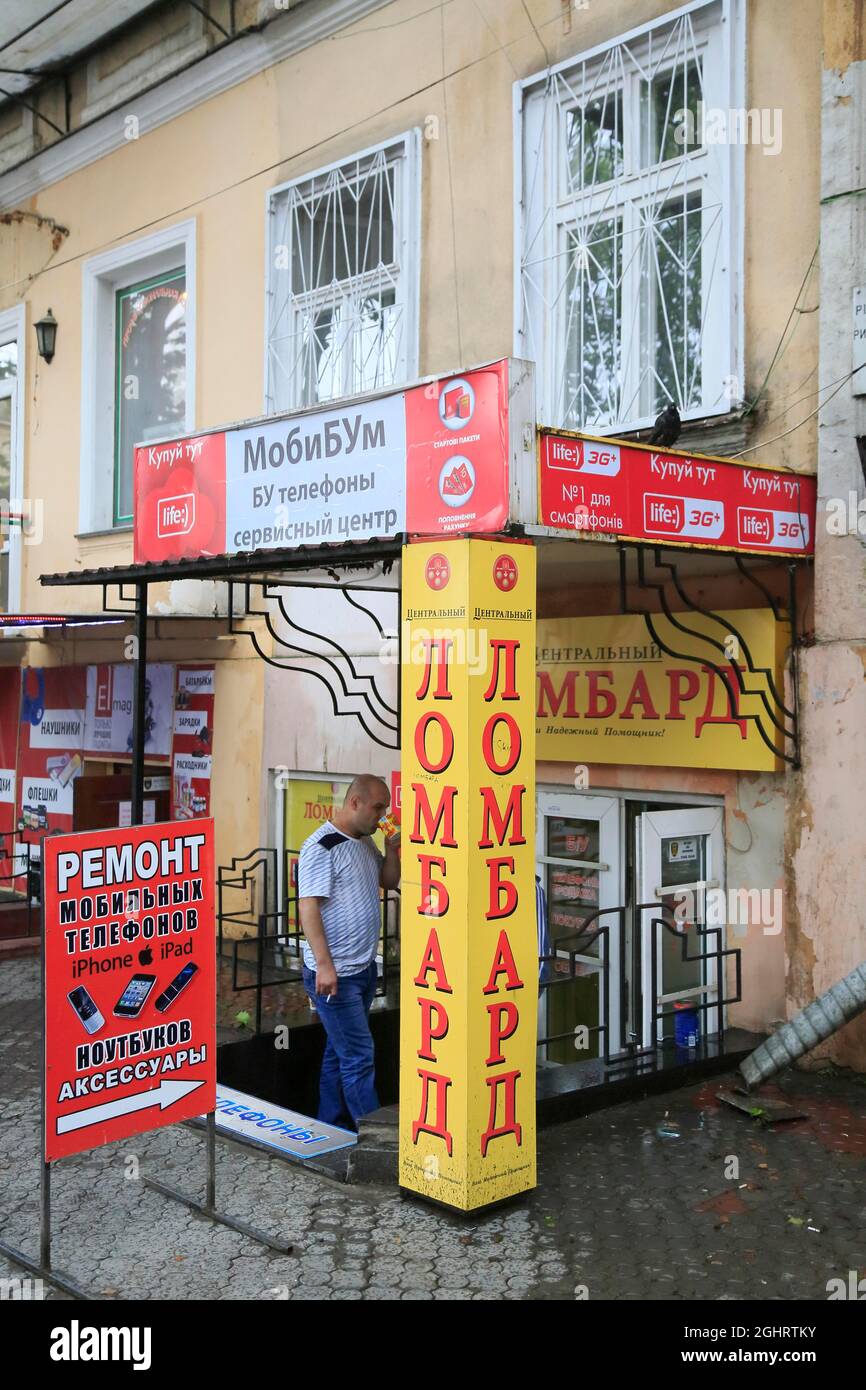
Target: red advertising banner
192,742
640,492
180,498
10,698
130,989
433,460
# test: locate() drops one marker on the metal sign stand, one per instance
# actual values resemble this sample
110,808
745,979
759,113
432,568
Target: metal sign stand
208,1207
42,1266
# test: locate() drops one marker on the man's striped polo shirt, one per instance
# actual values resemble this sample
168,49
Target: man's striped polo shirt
345,872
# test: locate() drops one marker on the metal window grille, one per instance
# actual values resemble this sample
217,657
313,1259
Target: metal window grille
626,262
342,279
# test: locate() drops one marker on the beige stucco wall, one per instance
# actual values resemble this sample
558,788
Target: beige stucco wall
827,875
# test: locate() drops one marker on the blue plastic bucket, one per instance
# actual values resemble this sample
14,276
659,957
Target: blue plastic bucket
687,1028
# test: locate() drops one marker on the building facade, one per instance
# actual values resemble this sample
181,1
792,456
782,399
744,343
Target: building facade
268,208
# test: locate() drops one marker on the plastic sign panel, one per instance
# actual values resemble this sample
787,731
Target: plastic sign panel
469,957
192,742
50,756
273,1127
606,693
432,460
108,712
130,991
640,492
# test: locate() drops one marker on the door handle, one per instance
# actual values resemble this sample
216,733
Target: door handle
687,887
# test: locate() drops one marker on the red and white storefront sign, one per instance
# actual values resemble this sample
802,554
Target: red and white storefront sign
433,460
644,493
452,457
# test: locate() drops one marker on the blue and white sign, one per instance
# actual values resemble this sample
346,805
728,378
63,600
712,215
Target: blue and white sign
259,1122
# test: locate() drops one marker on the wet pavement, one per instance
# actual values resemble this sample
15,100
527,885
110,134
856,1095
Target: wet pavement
672,1197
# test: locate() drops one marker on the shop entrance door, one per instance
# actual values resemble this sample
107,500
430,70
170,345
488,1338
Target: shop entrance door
680,856
578,861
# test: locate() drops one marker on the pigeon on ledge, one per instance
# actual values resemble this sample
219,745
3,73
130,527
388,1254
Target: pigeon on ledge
666,430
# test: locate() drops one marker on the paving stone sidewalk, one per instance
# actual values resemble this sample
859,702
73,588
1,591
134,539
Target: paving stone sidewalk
635,1202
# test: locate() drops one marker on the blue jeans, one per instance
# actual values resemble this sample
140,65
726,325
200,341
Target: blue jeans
347,1084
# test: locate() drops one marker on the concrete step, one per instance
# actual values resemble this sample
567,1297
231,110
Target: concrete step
374,1158
15,920
14,947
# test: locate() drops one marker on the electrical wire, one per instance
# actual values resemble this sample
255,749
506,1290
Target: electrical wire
501,48
804,421
248,178
536,33
808,397
780,351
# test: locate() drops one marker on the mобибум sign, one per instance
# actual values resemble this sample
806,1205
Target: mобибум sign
437,459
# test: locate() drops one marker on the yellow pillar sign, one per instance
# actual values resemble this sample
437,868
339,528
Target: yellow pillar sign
469,953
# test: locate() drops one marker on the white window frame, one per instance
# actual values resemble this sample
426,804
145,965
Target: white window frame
407,244
723,354
102,277
13,323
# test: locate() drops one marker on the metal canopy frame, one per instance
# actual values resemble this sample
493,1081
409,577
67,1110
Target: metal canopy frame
781,718
270,570
267,570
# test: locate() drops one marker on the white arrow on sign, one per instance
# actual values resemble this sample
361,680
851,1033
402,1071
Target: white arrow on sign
163,1095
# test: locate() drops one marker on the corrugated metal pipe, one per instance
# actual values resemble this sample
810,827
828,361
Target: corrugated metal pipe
819,1020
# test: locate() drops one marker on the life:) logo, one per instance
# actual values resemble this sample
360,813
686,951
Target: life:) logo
175,516
665,514
756,525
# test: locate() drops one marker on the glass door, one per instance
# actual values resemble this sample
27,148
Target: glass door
681,856
578,864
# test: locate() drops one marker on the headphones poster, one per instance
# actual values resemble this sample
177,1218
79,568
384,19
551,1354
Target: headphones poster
52,718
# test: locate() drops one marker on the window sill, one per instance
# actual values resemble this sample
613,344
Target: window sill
109,533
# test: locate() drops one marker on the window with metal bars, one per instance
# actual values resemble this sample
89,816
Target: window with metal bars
628,227
343,279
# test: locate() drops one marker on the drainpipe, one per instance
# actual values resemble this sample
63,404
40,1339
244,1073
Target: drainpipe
819,1020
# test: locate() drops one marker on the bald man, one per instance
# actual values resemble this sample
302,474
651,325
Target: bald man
340,873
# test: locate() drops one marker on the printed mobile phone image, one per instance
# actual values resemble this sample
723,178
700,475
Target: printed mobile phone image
179,983
86,1009
131,1001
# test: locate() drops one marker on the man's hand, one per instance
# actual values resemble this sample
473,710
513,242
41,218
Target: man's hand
314,930
326,979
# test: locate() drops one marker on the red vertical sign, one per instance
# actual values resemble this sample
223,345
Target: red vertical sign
50,750
10,695
457,453
192,742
